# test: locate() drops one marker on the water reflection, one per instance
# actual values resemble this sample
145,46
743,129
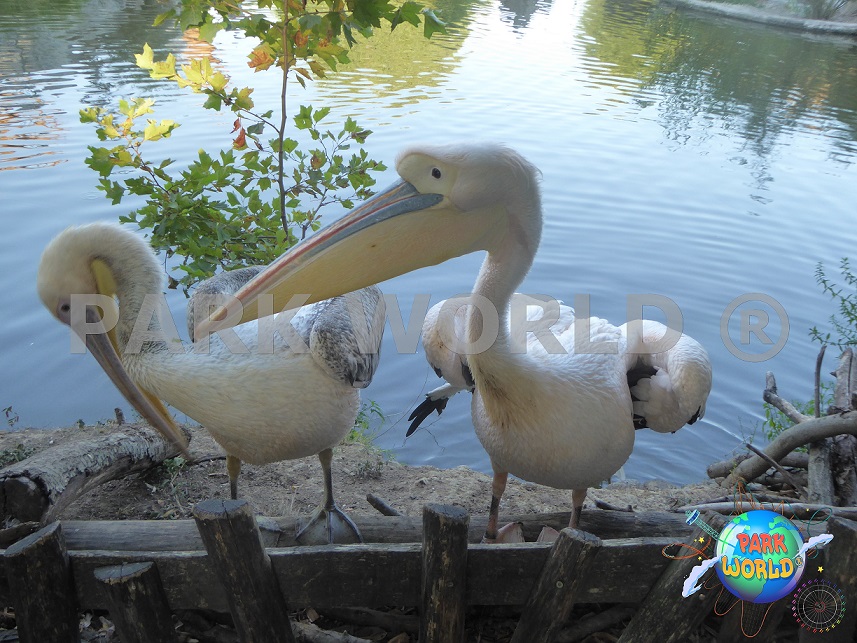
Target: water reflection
519,12
49,49
714,74
657,132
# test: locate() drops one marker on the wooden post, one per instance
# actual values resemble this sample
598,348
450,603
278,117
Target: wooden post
558,587
839,563
138,605
233,543
444,579
37,568
820,472
844,447
664,615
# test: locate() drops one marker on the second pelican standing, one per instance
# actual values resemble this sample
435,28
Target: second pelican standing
561,418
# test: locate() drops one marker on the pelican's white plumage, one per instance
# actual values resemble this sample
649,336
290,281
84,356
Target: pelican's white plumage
563,418
262,399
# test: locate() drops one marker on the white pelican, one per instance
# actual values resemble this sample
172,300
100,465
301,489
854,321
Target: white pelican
290,401
564,419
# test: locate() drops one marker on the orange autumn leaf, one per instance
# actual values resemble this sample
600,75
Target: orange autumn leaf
240,141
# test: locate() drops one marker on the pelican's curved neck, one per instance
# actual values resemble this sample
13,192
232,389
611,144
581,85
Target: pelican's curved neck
502,272
137,275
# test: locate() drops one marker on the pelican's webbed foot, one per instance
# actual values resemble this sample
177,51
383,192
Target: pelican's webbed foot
328,526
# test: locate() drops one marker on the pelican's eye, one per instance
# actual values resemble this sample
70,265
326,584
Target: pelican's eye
64,311
435,172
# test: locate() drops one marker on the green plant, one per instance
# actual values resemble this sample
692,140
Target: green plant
249,203
776,421
845,297
16,454
173,467
369,420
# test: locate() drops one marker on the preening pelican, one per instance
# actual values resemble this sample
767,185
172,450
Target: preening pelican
263,398
562,418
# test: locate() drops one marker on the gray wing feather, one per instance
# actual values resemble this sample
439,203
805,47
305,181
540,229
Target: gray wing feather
214,291
346,333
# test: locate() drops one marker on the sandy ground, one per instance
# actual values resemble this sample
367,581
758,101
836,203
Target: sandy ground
294,487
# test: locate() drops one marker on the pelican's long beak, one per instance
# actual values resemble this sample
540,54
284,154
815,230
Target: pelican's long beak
102,347
395,232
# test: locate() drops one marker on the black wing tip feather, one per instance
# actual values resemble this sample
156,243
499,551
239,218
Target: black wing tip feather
423,411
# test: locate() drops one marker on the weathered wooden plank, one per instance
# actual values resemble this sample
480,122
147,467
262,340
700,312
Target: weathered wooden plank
665,597
182,535
557,588
243,567
188,578
444,574
138,604
41,584
623,571
350,575
378,574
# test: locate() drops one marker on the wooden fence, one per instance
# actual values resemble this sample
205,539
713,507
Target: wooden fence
142,572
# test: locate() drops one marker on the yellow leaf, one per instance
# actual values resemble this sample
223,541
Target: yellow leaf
146,59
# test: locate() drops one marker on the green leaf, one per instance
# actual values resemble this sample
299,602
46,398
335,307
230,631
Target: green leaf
209,29
432,24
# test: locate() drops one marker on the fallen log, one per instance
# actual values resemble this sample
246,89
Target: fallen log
794,460
39,487
182,535
807,429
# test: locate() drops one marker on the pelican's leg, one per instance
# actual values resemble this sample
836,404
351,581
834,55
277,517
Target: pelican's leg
233,468
498,486
328,524
577,498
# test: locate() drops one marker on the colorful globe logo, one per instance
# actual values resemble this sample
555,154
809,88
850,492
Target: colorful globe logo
757,556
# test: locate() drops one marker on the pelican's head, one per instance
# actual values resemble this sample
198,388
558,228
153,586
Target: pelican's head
449,201
77,283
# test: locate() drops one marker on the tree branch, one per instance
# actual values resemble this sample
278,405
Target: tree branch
808,430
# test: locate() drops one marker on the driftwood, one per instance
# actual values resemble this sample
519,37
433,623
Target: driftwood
170,535
794,460
806,429
800,510
786,475
820,473
37,488
843,450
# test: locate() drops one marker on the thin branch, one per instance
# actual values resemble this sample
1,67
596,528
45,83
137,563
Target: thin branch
818,361
770,396
788,476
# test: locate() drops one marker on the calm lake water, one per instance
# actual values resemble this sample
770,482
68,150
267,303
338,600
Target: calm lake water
683,154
